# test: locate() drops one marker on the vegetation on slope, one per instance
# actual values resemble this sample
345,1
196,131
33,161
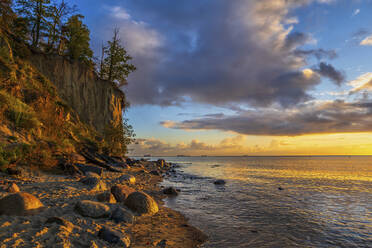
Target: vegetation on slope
36,125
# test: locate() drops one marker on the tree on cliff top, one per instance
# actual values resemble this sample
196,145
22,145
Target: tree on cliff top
59,14
77,35
36,13
115,65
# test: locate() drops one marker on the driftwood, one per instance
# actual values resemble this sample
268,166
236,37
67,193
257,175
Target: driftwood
95,158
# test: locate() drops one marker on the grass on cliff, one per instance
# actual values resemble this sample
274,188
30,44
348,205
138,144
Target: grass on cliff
17,112
35,123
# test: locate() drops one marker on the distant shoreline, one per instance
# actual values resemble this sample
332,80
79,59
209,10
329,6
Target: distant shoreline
245,156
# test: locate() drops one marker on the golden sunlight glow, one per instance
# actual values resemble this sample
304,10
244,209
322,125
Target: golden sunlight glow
308,73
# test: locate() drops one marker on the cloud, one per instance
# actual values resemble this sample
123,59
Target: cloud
317,53
159,147
363,82
311,118
240,52
119,13
356,12
330,72
366,41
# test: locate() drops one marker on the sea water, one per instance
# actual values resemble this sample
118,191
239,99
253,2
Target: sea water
276,201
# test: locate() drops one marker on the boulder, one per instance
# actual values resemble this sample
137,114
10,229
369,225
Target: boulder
160,243
77,158
121,192
92,209
127,179
13,171
170,191
155,172
89,168
161,163
60,221
141,203
13,188
94,183
20,204
114,237
91,174
122,215
219,182
106,197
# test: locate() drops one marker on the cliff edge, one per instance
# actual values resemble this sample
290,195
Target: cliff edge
98,102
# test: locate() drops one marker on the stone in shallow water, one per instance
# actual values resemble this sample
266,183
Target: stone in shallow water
20,204
219,182
141,203
114,237
155,172
92,209
122,215
170,191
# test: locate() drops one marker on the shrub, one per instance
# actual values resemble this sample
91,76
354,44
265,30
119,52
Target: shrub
13,153
18,112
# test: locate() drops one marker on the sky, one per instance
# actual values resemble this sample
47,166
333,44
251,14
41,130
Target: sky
244,77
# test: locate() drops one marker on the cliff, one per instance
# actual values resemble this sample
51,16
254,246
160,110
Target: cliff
97,102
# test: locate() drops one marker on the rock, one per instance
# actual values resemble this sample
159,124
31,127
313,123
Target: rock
20,204
13,171
92,209
122,215
219,182
77,158
161,163
106,197
127,179
170,191
161,243
280,188
13,188
89,168
129,161
121,192
155,172
91,174
114,237
70,169
141,203
60,221
94,183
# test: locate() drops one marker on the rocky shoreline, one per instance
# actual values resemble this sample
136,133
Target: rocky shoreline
102,202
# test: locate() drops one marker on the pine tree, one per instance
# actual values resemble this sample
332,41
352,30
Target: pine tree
36,12
77,40
6,19
115,65
59,14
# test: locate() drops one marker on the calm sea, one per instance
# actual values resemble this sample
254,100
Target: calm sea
324,201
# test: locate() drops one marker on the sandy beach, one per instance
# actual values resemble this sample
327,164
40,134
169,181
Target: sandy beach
60,193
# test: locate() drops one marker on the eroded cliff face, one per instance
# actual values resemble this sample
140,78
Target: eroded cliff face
97,102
